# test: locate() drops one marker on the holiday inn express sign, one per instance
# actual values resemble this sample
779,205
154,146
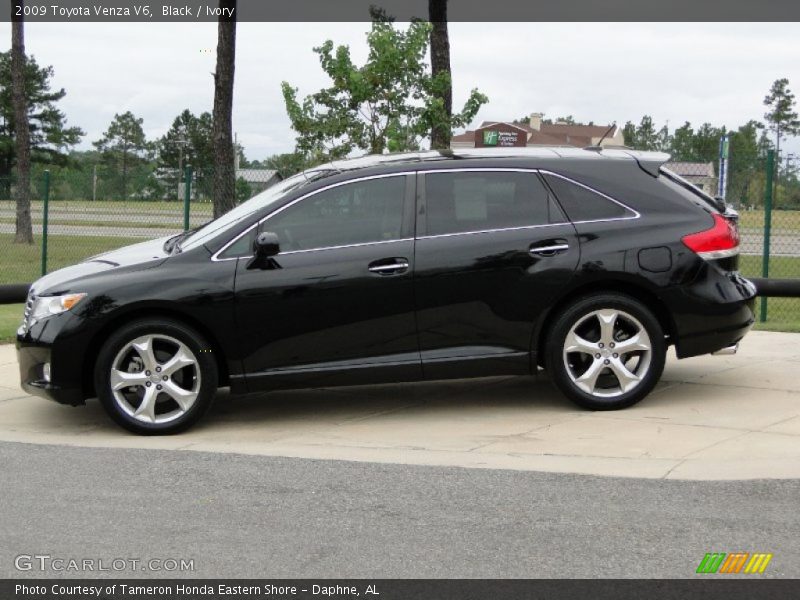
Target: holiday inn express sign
501,135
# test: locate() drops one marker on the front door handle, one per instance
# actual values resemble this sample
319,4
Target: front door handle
389,266
550,248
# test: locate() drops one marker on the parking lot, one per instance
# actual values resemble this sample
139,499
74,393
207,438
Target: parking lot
487,478
712,417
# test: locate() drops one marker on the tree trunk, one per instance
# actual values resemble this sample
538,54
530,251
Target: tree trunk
224,172
22,138
440,63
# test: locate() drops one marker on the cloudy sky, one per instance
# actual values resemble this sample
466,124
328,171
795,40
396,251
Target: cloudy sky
594,71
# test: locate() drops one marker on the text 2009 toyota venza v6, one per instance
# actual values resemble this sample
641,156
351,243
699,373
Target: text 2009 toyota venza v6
389,268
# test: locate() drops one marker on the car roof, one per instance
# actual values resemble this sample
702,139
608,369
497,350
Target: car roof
649,161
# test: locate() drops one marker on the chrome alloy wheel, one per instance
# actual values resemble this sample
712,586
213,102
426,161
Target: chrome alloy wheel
607,353
155,378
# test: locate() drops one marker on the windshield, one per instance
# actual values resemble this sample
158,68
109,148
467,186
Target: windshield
252,206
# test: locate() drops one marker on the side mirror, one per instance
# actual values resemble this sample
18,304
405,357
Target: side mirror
265,246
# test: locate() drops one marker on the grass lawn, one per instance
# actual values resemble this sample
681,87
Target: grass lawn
20,263
783,314
781,219
10,319
99,225
133,206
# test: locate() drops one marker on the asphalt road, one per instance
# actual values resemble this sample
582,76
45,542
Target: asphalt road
248,516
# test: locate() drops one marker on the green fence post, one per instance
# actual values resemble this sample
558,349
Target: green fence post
45,210
187,196
767,226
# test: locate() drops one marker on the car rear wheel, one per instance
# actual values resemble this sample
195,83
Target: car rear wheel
606,352
156,376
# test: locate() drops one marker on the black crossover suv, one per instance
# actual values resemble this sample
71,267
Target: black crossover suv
436,265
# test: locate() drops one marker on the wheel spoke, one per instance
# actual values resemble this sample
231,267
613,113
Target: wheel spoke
588,380
120,379
575,343
155,377
638,342
144,346
147,409
181,359
625,377
184,398
607,319
608,356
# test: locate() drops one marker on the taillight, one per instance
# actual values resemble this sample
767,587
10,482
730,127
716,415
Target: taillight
720,241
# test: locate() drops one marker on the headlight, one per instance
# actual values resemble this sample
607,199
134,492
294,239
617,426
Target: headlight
45,306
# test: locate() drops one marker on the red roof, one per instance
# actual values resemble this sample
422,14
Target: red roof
555,134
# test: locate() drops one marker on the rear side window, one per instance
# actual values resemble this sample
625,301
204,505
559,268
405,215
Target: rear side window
583,204
467,201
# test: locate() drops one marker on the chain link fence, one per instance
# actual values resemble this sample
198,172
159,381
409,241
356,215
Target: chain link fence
88,214
769,227
73,219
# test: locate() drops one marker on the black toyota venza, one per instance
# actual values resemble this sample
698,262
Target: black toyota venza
437,265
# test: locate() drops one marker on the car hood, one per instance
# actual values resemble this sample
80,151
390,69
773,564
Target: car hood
145,253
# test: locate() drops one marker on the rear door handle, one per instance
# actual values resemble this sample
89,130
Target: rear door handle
550,248
389,266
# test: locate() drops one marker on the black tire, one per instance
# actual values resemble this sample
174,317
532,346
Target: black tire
564,367
199,379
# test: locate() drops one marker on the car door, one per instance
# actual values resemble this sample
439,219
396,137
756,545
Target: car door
337,305
493,250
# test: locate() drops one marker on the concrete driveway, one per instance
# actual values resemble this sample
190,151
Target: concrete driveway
734,417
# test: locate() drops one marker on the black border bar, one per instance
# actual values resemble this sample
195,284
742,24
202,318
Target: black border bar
709,588
108,11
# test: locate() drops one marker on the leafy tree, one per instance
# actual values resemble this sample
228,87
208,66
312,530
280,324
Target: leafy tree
224,152
124,148
188,142
50,138
645,136
682,143
781,118
48,134
243,190
390,102
705,144
286,164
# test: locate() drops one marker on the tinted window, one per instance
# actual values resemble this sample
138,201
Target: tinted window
459,202
582,204
354,213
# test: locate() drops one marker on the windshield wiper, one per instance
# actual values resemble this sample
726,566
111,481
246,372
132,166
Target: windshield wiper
173,244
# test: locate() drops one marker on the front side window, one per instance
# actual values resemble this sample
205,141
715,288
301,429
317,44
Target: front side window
354,213
470,201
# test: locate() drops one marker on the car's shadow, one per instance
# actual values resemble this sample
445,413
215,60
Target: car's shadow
342,404
302,411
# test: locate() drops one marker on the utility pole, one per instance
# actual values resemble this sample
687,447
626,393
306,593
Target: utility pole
181,143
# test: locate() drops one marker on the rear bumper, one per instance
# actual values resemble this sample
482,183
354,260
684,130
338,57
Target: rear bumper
726,331
715,312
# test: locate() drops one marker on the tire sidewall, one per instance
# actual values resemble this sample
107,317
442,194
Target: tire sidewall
205,361
571,315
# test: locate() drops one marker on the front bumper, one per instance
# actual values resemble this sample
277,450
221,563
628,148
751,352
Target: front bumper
31,361
40,344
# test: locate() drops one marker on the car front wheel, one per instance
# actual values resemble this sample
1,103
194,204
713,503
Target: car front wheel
156,376
606,352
